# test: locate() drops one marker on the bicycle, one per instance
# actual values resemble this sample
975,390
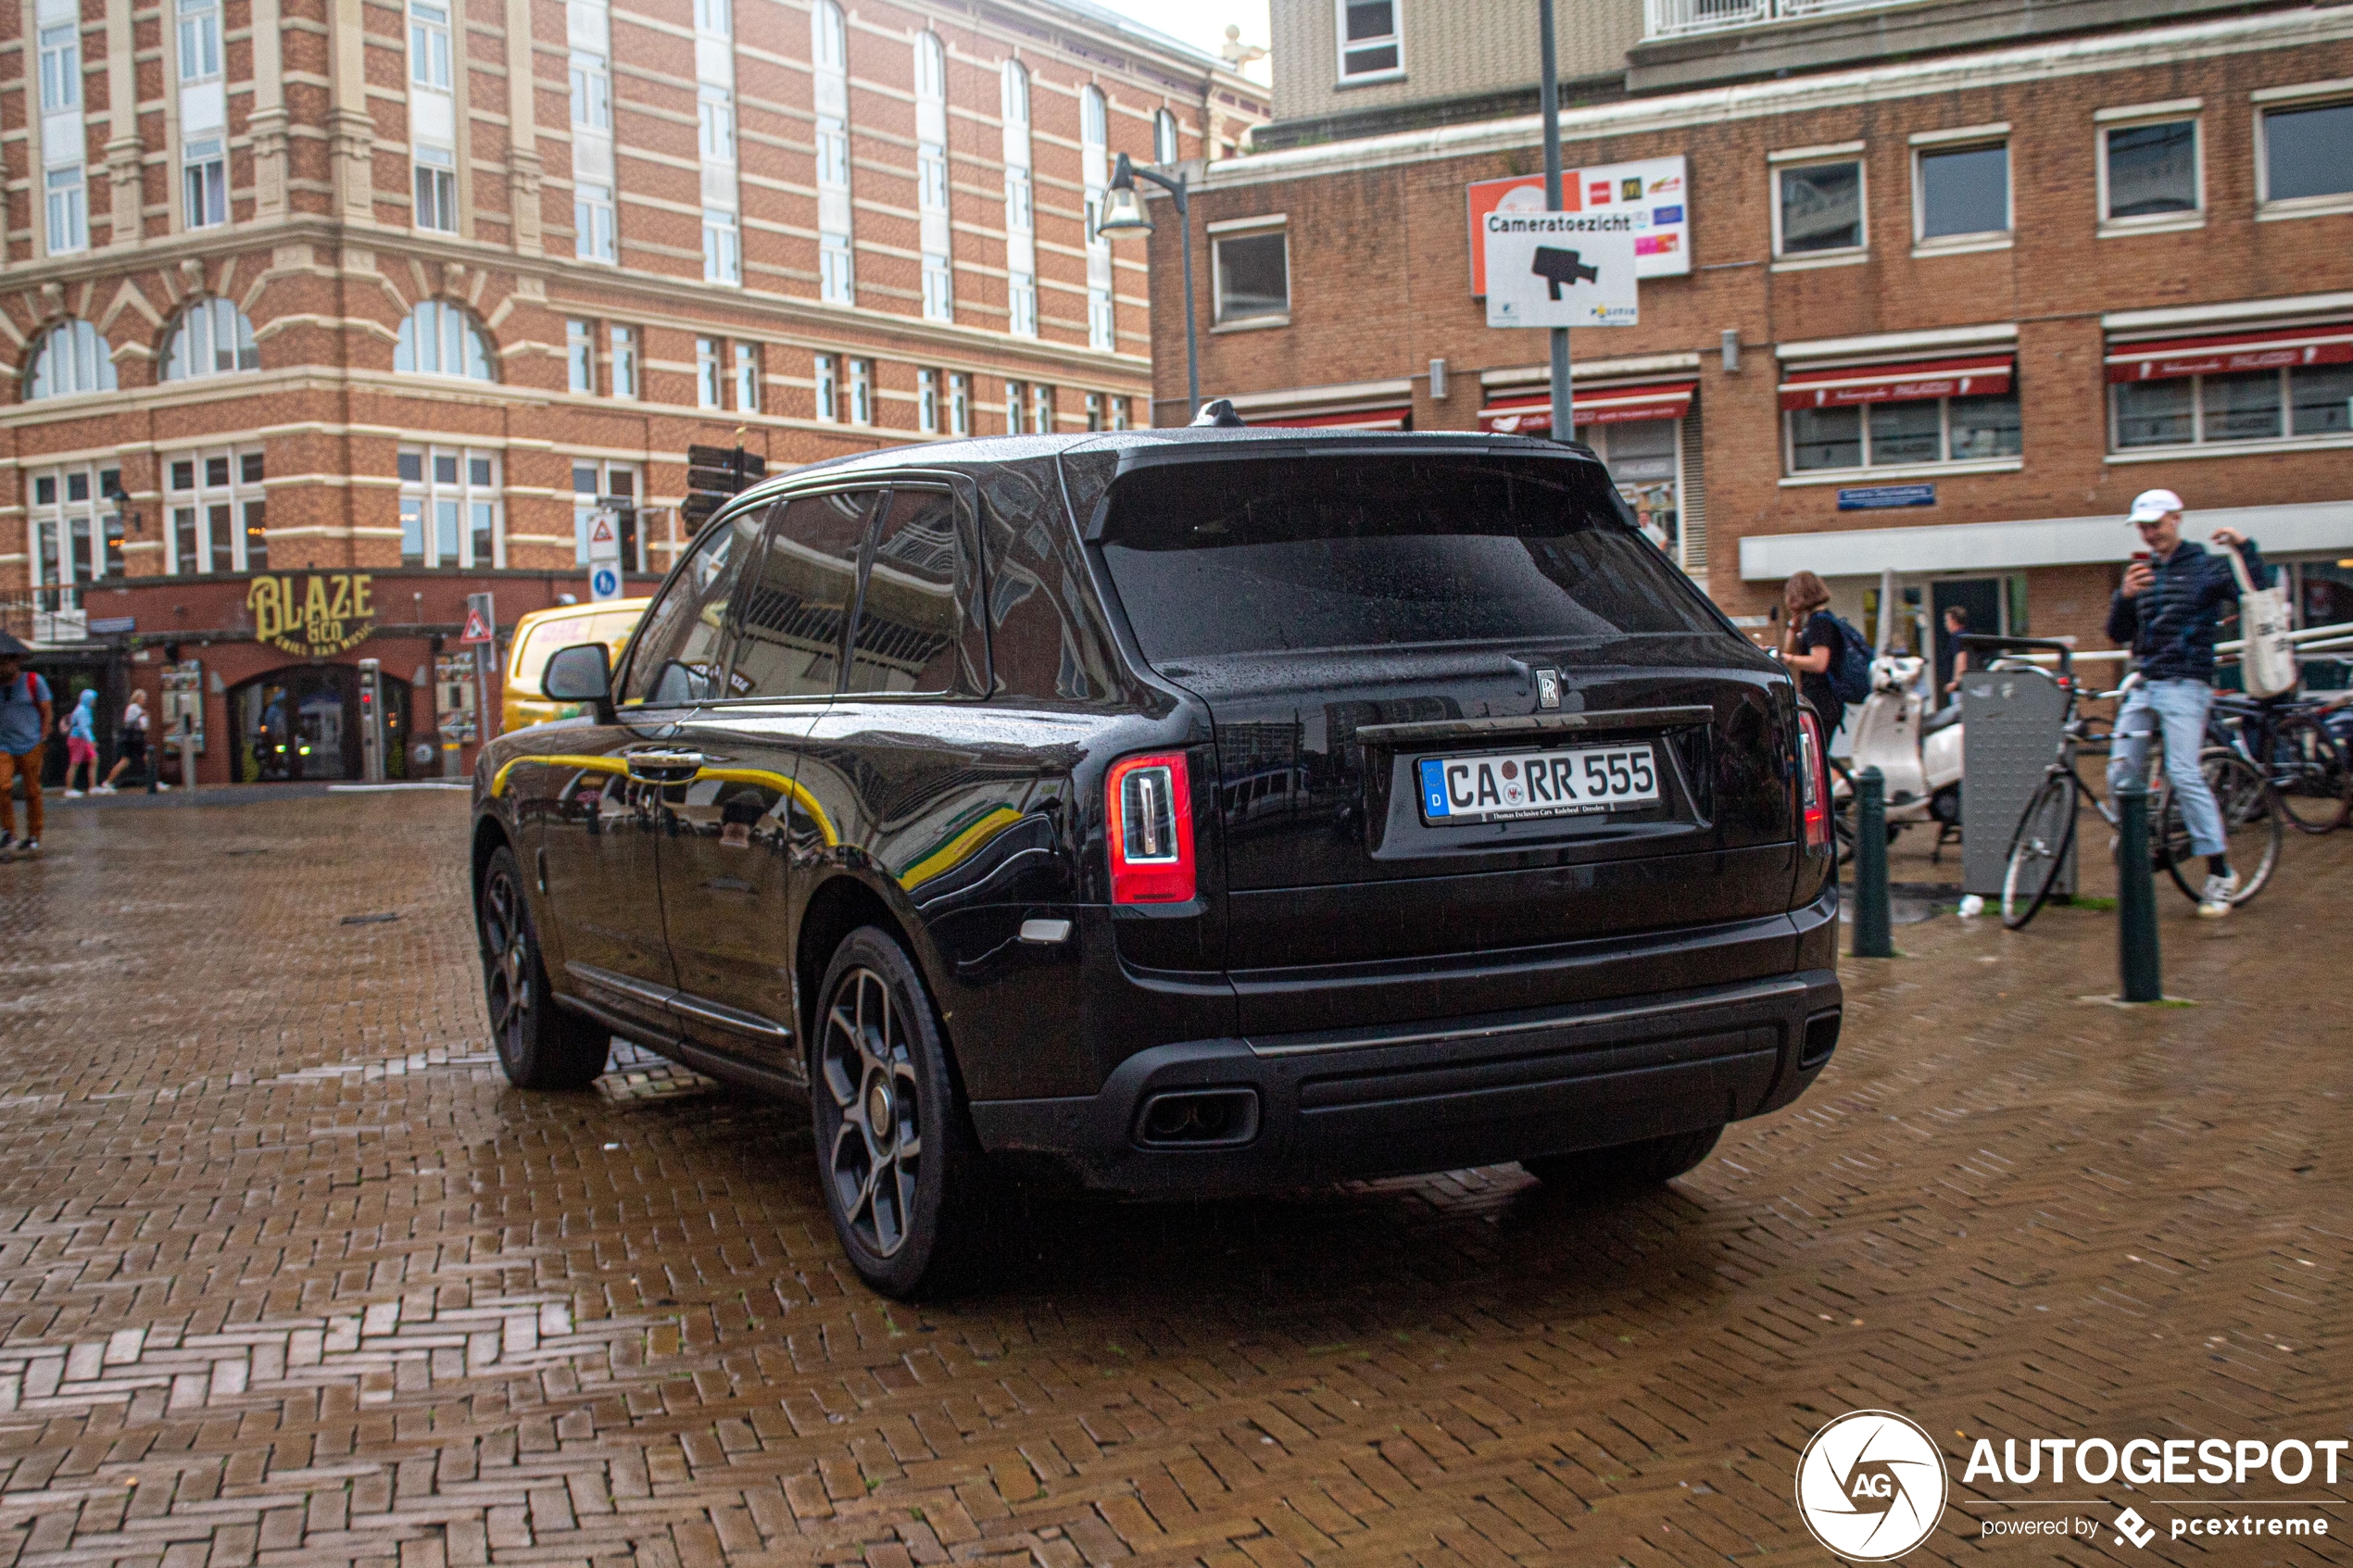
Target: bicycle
2046,831
2289,740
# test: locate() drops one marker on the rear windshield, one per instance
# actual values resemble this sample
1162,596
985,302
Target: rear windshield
1354,552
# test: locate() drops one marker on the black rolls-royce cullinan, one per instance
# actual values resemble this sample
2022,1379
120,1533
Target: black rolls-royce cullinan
1204,810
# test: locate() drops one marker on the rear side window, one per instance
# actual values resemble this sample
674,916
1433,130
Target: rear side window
797,608
909,622
1259,556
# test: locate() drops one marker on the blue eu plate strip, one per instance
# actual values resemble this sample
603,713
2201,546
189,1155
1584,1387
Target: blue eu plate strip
1434,802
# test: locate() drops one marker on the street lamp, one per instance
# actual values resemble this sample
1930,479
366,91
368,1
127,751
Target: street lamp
1124,214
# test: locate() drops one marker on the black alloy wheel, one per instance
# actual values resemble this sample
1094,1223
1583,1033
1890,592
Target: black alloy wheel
1650,1163
895,1149
540,1047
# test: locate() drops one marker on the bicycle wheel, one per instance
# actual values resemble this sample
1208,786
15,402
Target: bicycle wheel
2039,844
2254,827
2307,767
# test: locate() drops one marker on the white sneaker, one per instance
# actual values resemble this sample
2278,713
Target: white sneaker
2214,900
102,789
73,794
162,788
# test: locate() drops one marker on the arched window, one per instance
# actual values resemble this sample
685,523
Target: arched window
1016,94
71,357
1164,147
211,338
827,37
1094,118
440,339
931,66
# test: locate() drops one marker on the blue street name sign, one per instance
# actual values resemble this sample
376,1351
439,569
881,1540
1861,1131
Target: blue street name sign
1874,498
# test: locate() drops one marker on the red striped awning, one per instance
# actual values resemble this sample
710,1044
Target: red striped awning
1359,419
2237,351
1913,381
1527,413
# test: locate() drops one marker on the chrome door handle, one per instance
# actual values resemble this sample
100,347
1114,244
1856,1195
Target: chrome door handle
664,767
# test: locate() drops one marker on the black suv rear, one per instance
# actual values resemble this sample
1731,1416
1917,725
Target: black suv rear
1202,810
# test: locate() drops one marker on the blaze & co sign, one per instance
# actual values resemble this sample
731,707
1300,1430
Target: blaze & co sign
323,613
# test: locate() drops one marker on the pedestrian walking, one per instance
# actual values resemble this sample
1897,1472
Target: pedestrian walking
81,743
2168,611
1811,642
131,745
25,717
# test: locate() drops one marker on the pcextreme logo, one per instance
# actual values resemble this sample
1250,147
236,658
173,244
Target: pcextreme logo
1871,1485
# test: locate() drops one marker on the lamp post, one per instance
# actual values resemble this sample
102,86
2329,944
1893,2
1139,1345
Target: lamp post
1124,214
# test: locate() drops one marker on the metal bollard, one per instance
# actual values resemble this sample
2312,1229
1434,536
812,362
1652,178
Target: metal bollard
2136,952
1874,937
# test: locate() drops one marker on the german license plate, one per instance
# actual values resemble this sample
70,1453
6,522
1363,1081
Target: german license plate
1496,786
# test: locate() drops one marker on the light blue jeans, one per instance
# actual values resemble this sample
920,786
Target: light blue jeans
2178,709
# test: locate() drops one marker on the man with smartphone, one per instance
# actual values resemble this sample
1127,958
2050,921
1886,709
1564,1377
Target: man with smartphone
2168,611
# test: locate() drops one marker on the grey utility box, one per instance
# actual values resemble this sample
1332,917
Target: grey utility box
2012,720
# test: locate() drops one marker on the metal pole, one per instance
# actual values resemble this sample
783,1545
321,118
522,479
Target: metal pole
1563,419
1193,344
2138,965
1873,936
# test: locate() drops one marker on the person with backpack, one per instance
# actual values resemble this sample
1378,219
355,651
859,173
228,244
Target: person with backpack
2168,611
25,717
1830,659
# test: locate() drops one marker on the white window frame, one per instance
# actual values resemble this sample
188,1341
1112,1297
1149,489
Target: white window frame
435,189
2273,100
67,209
960,404
583,513
828,37
746,375
836,279
2199,445
1041,408
1973,139
715,123
61,68
710,377
1245,229
722,247
204,182
198,35
437,314
216,317
580,357
1341,48
861,392
1778,164
1015,395
927,402
198,497
714,17
591,79
1021,305
596,228
622,359
2106,122
1168,138
825,389
1021,212
91,362
49,533
1943,464
429,493
939,289
1118,411
430,56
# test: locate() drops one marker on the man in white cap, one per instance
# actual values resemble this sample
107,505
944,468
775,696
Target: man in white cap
2169,611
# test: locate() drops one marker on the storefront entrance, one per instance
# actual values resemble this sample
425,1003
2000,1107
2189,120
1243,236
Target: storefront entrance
303,724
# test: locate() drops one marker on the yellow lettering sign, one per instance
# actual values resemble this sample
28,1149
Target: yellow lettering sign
324,613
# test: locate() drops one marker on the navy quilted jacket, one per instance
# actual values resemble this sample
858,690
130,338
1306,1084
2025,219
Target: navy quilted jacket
2171,626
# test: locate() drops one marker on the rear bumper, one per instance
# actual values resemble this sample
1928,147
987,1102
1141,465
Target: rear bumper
1440,1095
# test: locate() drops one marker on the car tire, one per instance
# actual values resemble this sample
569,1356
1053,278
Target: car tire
540,1046
909,1214
1648,1163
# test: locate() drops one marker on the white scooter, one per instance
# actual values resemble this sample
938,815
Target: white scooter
1916,750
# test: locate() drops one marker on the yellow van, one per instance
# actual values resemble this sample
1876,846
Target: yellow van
541,634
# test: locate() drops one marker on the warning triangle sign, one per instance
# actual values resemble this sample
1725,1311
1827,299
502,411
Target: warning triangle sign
475,632
603,531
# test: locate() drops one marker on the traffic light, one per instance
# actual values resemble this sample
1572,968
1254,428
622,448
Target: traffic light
713,473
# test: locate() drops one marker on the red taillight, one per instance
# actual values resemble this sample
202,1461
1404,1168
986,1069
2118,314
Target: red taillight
1148,802
1813,784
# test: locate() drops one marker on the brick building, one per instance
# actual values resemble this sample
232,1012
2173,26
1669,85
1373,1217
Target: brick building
1933,286
321,314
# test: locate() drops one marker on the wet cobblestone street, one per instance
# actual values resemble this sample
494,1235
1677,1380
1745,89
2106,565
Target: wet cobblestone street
289,1276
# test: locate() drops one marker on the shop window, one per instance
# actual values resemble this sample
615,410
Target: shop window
212,337
1962,193
449,509
2149,170
2308,152
1900,416
1251,275
217,511
1817,207
1370,41
2235,390
71,357
440,339
607,485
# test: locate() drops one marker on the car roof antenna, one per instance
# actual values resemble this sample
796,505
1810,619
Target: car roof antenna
1218,412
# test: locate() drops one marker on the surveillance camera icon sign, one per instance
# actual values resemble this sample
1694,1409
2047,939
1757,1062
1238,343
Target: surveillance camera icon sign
1558,267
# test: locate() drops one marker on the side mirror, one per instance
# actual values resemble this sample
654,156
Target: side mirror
580,673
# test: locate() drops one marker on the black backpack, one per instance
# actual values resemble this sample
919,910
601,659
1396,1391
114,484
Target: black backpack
1850,670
